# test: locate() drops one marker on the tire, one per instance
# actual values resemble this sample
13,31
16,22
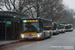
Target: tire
56,33
63,31
50,35
43,37
71,30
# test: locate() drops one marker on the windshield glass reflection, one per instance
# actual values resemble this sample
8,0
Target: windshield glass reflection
31,27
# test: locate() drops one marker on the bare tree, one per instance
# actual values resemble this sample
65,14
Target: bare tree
1,9
21,6
50,9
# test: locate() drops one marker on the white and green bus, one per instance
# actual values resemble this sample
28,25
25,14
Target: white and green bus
34,28
62,28
55,28
69,27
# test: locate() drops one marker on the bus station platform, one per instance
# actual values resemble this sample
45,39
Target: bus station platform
7,42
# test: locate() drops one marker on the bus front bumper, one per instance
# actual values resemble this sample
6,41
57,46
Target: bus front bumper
31,37
54,32
69,30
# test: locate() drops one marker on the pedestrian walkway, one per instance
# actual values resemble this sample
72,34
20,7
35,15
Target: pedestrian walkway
5,42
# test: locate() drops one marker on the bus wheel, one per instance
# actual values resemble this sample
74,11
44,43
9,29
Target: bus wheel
57,33
64,32
50,35
43,37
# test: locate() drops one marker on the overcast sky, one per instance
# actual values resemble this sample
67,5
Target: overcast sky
70,3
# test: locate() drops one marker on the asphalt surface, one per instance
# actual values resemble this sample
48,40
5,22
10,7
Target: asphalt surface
63,41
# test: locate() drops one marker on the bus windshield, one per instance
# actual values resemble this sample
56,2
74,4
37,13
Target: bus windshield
61,27
31,27
54,27
67,27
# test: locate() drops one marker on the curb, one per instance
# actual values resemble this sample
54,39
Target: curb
10,43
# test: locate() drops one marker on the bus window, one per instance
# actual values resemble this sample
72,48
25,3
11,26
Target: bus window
31,27
48,28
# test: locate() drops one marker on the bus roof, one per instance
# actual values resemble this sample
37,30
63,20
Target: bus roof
36,18
68,24
62,24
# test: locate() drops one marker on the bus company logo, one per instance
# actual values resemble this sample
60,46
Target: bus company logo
29,34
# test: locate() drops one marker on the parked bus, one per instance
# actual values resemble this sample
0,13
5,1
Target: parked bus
69,27
55,28
35,28
62,28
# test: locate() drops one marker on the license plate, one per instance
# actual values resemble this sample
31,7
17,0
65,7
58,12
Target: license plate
67,29
30,37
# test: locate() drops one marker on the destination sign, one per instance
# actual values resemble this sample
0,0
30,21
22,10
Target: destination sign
48,26
24,21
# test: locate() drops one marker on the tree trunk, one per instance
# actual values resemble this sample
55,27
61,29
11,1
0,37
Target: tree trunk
37,10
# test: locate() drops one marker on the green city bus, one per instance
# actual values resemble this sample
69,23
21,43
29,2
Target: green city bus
69,27
62,28
55,28
35,28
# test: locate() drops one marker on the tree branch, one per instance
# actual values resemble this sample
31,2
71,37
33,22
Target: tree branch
1,9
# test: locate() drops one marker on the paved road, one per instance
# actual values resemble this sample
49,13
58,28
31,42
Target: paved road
63,41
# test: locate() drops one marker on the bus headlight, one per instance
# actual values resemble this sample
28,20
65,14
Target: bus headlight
52,31
63,29
38,35
71,28
22,35
48,31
